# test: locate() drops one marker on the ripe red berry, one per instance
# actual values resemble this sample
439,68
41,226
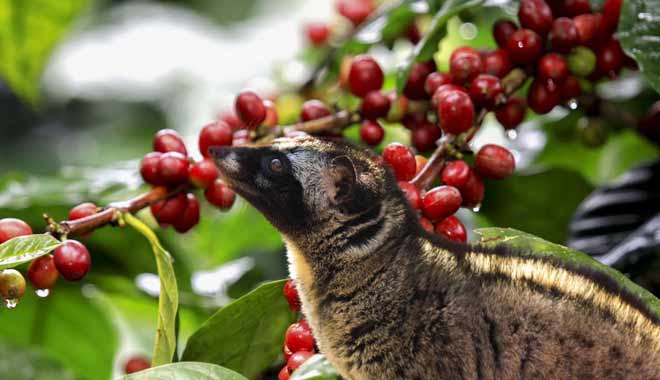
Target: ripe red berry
497,62
83,210
609,58
456,173
455,111
232,120
426,224
203,173
317,33
512,113
271,119
250,109
42,272
540,99
173,168
371,132
299,337
452,229
435,80
12,285
524,47
297,359
587,27
414,88
535,15
486,91
374,105
440,202
72,260
287,352
570,8
149,168
502,30
168,211
570,88
168,140
413,34
611,13
313,109
401,159
473,191
552,70
136,364
190,216
465,64
365,75
291,294
414,120
494,161
284,374
12,227
425,135
214,134
563,35
220,195
355,10
412,194
435,99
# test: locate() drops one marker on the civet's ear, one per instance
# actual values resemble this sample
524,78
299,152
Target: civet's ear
343,176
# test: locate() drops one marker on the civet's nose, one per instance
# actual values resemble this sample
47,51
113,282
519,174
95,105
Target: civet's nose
219,152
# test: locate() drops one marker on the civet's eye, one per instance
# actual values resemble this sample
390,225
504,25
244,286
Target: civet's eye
276,165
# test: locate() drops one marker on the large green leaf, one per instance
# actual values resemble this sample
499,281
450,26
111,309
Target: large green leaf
168,300
29,30
246,335
542,248
425,48
20,363
639,33
316,368
22,249
185,371
541,203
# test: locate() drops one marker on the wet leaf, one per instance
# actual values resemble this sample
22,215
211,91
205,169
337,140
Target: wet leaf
315,368
185,371
639,34
22,249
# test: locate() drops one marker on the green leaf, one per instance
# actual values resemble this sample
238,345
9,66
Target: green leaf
542,248
185,371
529,201
247,334
428,45
168,301
22,249
639,34
316,368
23,363
29,30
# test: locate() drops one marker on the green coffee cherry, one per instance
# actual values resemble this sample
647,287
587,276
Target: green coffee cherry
582,61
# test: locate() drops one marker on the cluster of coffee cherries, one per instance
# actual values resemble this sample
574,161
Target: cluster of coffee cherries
355,11
299,343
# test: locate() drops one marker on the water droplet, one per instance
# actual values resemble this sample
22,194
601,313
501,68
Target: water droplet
476,208
11,303
512,134
572,104
43,293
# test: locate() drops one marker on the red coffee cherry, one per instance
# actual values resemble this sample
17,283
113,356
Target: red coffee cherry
440,202
570,88
512,113
456,173
540,99
535,15
232,120
424,136
292,297
355,10
502,30
190,216
570,8
287,352
250,109
465,64
271,119
413,34
214,134
552,69
72,260
611,13
412,194
587,27
414,120
284,374
317,33
314,109
494,161
42,272
12,227
426,224
609,58
435,80
414,88
497,63
168,211
83,210
473,191
486,91
299,337
371,132
173,168
365,75
203,173
524,47
220,195
455,111
563,35
401,159
149,168
375,105
435,99
297,359
168,140
136,364
451,228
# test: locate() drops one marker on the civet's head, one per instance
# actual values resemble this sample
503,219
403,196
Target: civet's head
306,184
